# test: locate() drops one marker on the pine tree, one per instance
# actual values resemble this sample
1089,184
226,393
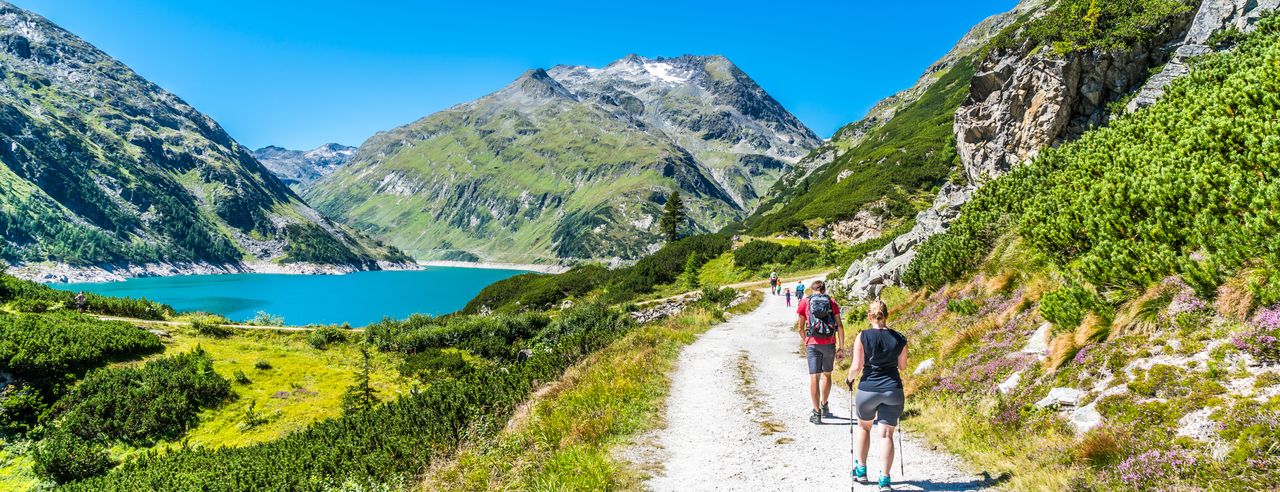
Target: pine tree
360,397
673,217
690,275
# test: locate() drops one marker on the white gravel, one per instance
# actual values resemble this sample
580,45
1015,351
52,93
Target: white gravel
737,419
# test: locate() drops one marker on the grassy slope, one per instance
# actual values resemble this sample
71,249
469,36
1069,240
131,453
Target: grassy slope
588,162
566,438
901,161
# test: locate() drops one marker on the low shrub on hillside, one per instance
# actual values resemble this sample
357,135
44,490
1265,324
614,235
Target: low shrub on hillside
1067,307
756,255
159,400
38,345
210,329
31,293
63,457
325,336
393,441
1113,204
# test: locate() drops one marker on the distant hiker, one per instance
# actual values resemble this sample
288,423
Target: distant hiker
878,353
788,296
800,290
774,283
823,336
81,301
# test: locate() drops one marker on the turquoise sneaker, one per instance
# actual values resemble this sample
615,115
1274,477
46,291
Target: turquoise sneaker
884,483
859,472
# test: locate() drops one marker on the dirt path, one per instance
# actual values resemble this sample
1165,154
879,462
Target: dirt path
137,321
738,419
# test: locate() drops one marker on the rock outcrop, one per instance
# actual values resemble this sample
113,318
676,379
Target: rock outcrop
1022,100
1213,16
866,278
1025,99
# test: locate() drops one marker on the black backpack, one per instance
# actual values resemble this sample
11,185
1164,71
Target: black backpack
821,319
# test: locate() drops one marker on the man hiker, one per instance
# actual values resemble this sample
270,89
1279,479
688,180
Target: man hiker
773,283
878,353
822,333
800,290
81,301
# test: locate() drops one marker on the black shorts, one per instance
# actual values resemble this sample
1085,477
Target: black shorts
822,357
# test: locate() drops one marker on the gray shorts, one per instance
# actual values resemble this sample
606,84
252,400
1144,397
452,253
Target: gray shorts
822,358
883,407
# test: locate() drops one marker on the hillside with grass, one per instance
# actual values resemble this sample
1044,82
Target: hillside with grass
1112,303
101,168
571,163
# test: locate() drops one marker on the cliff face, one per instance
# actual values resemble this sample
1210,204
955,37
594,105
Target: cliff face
1021,102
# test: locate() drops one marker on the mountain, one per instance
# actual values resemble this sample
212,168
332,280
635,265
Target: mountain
874,173
298,168
571,162
102,168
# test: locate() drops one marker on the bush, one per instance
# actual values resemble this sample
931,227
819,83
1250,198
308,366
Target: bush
262,365
214,330
20,407
64,458
325,336
138,406
435,364
38,345
31,305
242,379
719,297
1066,307
1101,447
963,307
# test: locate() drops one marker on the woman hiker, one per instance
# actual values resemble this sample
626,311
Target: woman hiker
878,353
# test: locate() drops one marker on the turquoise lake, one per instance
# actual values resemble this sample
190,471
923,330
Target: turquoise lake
358,298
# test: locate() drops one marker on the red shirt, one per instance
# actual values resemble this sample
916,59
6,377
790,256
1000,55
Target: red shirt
803,310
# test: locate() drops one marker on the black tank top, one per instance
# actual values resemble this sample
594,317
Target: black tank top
880,349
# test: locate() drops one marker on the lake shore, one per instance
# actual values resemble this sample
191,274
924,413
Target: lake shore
61,273
528,267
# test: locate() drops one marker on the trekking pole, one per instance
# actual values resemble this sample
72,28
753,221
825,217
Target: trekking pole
853,453
902,451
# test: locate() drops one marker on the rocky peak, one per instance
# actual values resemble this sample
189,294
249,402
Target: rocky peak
536,84
299,168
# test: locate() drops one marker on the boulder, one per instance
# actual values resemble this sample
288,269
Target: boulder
924,366
1010,384
1086,418
1061,397
1038,344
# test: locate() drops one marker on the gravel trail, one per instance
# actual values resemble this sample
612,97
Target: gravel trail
737,419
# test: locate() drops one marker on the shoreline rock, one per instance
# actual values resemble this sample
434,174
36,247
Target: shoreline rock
61,273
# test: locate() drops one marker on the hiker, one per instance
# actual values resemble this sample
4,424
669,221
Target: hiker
822,333
81,300
877,355
774,283
800,290
788,296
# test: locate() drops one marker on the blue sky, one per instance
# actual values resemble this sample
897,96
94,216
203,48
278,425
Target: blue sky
303,73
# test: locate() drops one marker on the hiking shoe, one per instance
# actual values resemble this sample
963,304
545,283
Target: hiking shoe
826,410
885,483
815,418
860,473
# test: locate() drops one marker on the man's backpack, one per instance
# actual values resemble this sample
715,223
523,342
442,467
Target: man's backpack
821,318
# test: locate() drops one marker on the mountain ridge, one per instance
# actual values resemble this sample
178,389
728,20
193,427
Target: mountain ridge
571,162
105,170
